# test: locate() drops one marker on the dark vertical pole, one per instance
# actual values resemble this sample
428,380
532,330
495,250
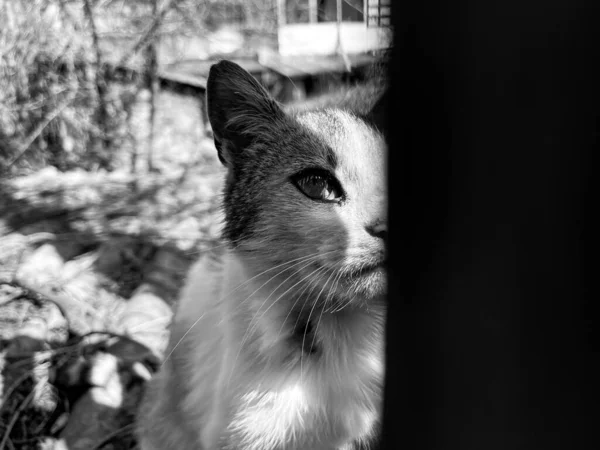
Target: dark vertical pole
494,117
102,115
153,83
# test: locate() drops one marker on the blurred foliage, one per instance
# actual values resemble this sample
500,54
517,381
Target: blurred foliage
46,100
62,102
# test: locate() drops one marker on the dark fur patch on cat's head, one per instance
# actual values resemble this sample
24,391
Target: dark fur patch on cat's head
254,137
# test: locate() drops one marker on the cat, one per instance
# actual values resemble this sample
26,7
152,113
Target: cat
277,342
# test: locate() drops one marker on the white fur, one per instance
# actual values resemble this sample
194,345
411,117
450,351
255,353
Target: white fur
238,400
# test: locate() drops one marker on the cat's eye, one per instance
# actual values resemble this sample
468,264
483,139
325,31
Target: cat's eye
319,185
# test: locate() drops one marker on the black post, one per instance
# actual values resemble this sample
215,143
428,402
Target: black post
494,115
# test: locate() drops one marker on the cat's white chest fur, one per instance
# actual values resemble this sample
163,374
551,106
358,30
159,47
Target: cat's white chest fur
256,392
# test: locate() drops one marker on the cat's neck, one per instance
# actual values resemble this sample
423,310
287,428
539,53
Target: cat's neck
292,318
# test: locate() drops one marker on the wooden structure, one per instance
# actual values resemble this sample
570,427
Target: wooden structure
326,27
320,44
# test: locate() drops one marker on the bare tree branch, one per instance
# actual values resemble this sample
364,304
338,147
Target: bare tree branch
100,82
35,133
196,22
148,35
152,73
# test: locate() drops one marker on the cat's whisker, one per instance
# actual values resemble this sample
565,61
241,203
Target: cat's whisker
309,276
200,318
252,321
311,281
292,263
315,302
296,261
306,301
250,325
181,339
308,297
331,290
340,305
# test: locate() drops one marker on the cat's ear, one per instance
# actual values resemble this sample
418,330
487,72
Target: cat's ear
378,114
240,110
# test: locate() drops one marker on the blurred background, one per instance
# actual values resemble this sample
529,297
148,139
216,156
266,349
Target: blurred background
81,79
110,184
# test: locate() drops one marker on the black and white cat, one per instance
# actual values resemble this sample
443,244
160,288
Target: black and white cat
278,342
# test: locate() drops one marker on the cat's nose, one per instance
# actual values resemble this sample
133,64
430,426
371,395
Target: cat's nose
378,229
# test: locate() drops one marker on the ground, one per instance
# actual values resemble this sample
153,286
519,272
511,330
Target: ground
90,266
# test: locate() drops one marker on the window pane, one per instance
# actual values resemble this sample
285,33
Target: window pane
326,10
296,11
352,11
378,13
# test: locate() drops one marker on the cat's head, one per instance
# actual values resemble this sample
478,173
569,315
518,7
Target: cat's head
306,193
